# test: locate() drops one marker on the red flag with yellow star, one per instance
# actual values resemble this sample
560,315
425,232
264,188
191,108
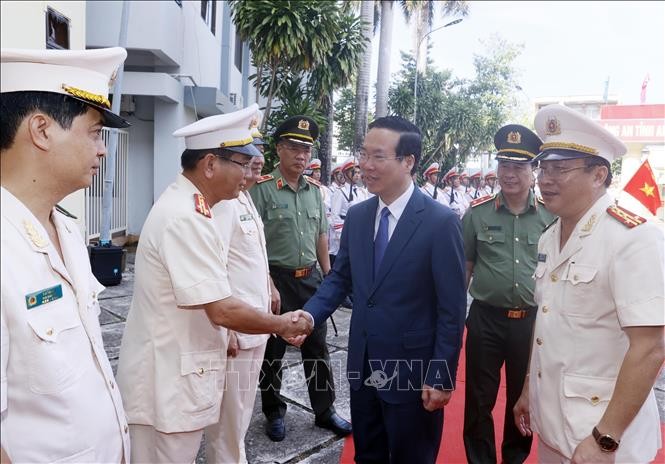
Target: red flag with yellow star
644,188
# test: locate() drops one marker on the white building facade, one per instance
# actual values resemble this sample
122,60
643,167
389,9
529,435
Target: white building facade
184,63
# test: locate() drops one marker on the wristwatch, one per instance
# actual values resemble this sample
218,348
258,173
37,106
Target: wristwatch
605,441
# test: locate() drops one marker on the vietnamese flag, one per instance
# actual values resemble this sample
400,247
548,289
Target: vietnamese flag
644,188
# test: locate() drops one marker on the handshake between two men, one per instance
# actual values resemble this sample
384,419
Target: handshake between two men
235,314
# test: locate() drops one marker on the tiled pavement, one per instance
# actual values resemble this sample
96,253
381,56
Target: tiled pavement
304,443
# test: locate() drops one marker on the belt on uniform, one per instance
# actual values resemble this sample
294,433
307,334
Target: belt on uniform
299,273
511,313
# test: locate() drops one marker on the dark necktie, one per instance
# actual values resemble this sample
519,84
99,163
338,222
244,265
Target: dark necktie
351,193
381,240
452,195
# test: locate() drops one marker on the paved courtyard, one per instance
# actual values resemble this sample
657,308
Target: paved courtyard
304,443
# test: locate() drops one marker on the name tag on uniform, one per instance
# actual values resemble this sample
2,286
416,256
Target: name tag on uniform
493,227
246,217
280,205
542,257
32,300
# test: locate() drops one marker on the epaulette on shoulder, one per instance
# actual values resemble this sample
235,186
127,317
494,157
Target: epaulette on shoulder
265,178
313,181
201,205
482,200
625,217
63,211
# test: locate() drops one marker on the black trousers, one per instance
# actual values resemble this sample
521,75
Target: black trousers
493,339
314,351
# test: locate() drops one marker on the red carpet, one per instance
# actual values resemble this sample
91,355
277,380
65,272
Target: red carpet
452,446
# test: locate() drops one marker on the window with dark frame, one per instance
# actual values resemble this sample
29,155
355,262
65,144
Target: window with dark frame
209,13
237,57
57,30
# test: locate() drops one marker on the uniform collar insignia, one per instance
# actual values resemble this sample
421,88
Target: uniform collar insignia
280,184
589,224
35,237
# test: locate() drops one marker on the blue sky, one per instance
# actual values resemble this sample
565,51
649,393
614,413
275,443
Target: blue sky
570,48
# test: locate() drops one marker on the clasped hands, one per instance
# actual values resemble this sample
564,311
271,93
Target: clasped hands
295,326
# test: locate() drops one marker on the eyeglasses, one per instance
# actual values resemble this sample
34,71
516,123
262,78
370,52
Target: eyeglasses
377,159
555,172
246,167
297,148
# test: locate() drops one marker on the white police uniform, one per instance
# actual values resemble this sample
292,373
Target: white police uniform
54,368
172,358
58,398
241,231
608,276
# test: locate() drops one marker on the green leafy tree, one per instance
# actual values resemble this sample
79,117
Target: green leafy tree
285,35
308,50
345,118
459,117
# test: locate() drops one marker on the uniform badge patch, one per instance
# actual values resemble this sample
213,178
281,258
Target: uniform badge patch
542,257
32,300
201,205
553,126
514,137
625,217
264,178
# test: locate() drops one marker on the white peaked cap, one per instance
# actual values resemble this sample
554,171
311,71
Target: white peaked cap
567,134
232,131
85,75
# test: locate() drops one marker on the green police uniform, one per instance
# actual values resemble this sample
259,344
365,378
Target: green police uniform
503,248
293,220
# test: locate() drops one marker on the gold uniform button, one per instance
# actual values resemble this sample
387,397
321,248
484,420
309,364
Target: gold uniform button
517,239
539,341
545,309
595,400
49,332
554,277
490,238
201,371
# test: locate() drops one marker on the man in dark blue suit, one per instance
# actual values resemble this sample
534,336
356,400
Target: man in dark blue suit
401,255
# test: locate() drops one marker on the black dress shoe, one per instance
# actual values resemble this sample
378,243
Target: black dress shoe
275,429
335,423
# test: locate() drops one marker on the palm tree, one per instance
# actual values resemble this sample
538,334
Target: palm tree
334,72
362,83
385,46
286,35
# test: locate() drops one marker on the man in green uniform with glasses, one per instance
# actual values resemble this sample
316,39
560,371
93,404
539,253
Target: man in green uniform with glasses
501,233
296,231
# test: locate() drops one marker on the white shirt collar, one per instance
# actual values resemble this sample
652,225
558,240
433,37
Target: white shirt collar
397,207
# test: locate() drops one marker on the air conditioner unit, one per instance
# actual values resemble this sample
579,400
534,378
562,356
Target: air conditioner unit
127,104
